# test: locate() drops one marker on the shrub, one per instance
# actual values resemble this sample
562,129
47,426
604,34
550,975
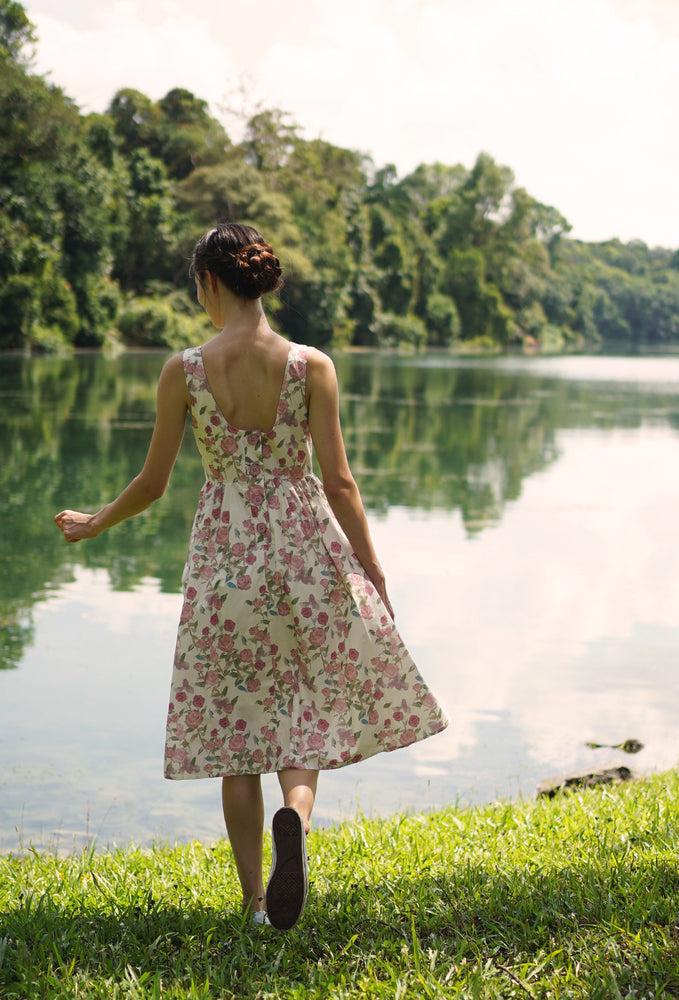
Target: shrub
146,322
58,306
397,331
19,310
48,340
442,320
100,301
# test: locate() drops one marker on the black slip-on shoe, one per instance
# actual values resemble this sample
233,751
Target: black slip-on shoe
288,884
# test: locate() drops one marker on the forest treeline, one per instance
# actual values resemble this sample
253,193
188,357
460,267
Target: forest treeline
99,212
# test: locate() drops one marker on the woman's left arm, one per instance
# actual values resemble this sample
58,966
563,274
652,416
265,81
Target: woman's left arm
151,483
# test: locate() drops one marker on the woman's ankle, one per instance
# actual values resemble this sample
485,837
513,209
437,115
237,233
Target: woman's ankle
252,904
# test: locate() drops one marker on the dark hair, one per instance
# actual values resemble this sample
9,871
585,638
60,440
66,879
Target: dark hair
240,257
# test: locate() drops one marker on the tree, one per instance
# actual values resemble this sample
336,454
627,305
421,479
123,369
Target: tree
149,250
16,32
188,135
136,121
97,209
53,231
482,310
269,140
224,192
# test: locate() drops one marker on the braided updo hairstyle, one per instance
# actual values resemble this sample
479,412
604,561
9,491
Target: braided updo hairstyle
240,257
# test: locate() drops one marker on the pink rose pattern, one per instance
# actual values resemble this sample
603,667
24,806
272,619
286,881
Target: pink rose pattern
285,655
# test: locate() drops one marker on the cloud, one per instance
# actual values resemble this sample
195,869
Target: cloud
576,98
124,50
579,97
117,611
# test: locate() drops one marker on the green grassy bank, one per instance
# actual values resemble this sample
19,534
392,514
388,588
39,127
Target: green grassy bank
577,897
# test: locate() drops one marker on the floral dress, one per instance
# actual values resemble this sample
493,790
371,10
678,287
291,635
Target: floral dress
286,656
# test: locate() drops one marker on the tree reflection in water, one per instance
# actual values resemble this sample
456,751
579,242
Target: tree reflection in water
425,433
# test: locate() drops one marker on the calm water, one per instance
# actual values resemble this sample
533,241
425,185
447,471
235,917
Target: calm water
526,514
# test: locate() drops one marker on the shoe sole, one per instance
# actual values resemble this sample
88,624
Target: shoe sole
288,885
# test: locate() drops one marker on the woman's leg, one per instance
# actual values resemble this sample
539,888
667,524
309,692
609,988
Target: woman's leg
299,791
244,817
288,885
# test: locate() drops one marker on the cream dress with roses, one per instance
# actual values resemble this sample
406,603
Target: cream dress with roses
285,656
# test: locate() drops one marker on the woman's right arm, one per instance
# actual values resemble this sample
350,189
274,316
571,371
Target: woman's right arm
338,483
150,484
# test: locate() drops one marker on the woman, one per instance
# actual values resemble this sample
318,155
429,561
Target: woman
287,658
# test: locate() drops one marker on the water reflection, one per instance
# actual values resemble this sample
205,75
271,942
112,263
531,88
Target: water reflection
423,434
525,512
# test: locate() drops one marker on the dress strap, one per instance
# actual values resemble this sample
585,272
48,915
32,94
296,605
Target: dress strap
292,406
194,371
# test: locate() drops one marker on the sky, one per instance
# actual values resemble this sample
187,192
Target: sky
580,98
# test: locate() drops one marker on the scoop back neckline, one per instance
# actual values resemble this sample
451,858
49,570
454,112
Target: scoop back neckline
248,430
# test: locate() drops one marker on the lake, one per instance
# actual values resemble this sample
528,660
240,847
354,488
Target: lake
526,513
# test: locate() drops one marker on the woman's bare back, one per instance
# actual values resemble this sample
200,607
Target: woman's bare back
245,377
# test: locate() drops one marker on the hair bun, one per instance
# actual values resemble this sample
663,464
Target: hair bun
240,257
259,270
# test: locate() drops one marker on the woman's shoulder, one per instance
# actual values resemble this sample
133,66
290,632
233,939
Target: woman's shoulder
183,366
320,374
317,359
177,362
173,378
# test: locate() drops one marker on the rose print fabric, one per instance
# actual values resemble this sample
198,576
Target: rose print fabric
285,655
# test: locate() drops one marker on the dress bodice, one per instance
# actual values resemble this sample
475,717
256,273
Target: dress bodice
230,454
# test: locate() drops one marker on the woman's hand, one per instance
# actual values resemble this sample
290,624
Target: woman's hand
382,591
378,582
76,526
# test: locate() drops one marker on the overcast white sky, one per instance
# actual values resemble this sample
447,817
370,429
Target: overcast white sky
579,97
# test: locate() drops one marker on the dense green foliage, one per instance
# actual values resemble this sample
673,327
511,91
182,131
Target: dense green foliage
573,898
99,213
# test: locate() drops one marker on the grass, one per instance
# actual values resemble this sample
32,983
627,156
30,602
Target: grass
575,897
